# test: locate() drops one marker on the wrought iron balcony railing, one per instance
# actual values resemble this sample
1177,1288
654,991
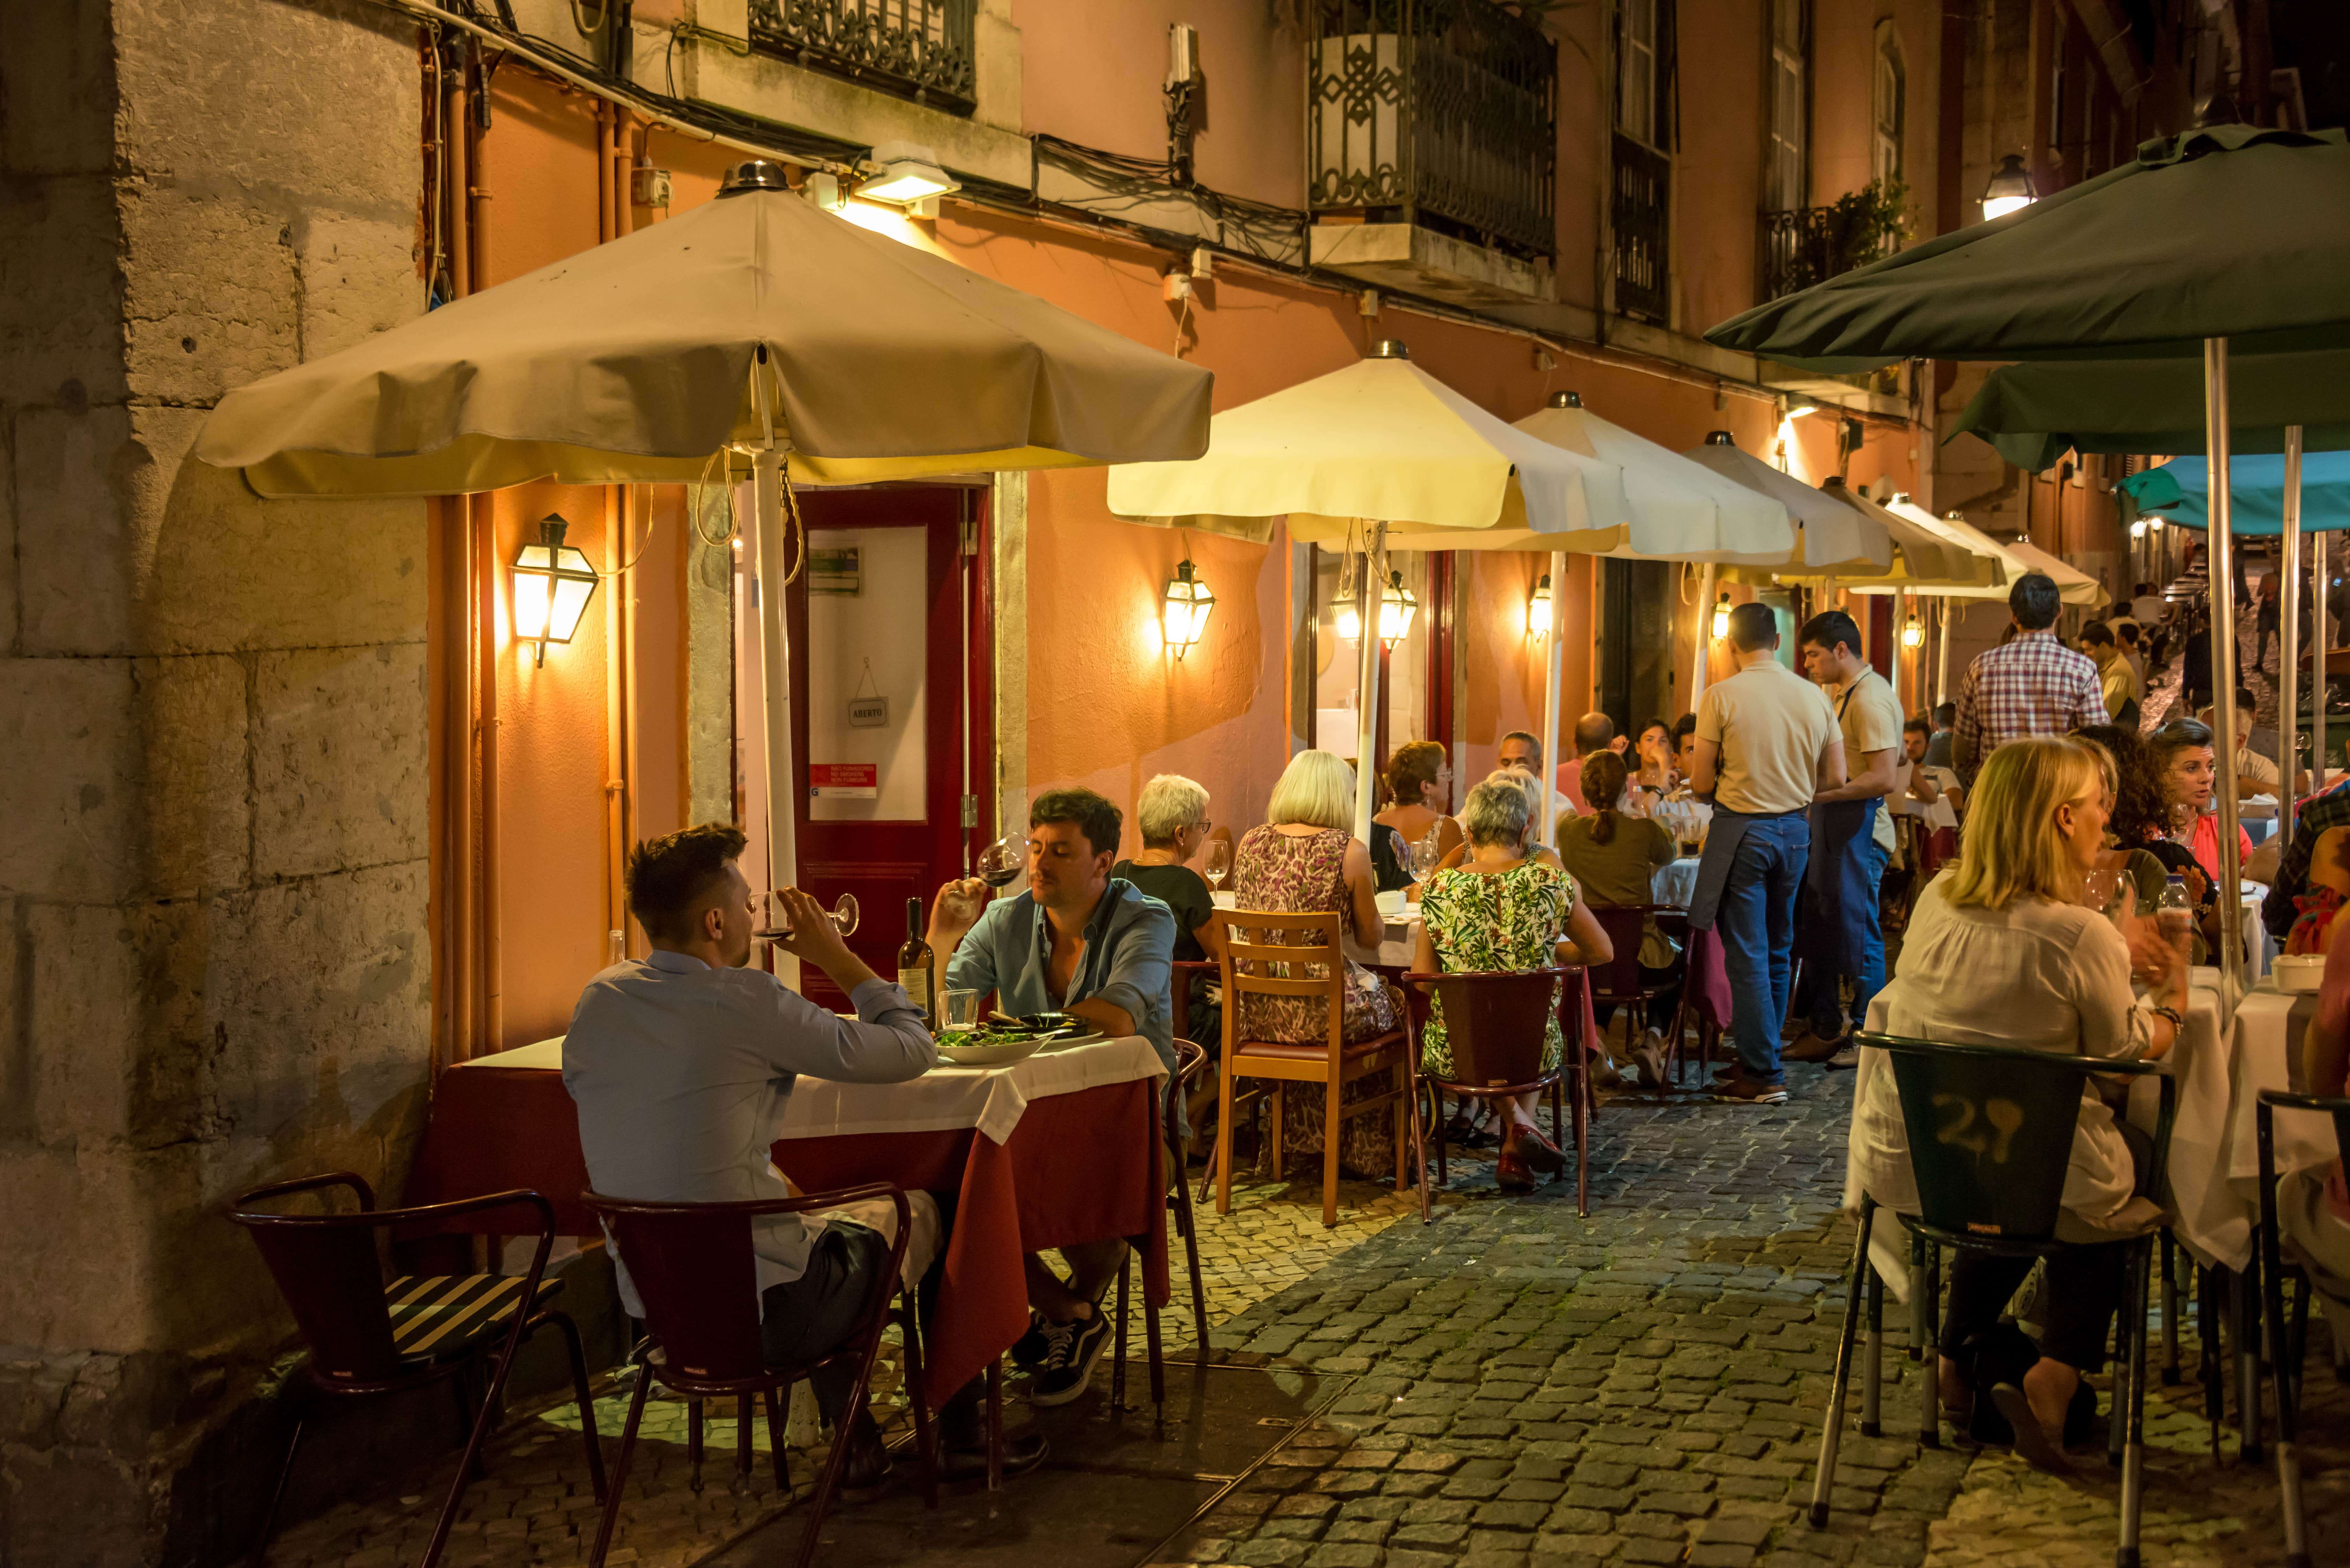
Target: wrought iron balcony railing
921,49
1441,109
1811,244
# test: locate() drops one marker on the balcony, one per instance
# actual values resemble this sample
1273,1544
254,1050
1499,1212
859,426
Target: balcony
1435,121
1809,245
1640,213
919,49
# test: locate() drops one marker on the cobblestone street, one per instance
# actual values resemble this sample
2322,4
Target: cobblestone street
1511,1385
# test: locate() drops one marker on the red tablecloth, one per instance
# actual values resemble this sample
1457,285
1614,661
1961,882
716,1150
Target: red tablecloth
493,1128
1079,1168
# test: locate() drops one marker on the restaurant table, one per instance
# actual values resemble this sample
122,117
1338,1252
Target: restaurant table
1059,1149
1675,882
2215,1156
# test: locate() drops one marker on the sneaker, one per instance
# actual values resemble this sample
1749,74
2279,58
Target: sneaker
1845,1060
1070,1368
1747,1091
960,1460
1028,1352
1606,1075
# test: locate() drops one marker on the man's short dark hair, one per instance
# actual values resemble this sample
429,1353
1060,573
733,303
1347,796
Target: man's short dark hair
1593,732
1946,713
2099,634
668,877
2034,602
1830,628
1752,628
1534,743
2128,631
1916,726
1096,817
2245,700
1684,727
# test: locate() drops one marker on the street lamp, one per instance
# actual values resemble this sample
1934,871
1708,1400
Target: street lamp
1398,604
1183,613
2010,190
908,174
552,585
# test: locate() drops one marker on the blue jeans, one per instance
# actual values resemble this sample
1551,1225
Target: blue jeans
1757,927
1827,1020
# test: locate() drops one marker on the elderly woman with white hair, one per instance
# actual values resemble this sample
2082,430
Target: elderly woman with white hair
1172,814
1503,910
1304,859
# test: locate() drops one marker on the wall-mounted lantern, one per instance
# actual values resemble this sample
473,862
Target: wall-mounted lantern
1538,609
552,585
1721,618
1183,613
2011,188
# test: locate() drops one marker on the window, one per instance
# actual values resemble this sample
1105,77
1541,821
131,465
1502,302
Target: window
1785,187
1888,106
1636,71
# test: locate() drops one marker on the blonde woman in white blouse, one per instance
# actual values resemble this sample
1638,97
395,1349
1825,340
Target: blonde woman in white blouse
2000,951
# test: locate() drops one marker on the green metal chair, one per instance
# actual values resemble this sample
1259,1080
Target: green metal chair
2286,1351
1990,1135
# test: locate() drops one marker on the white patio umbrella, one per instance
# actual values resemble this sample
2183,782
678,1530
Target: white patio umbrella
1831,537
1384,449
1680,511
755,326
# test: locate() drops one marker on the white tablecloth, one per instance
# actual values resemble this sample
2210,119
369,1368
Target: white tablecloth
989,1098
1675,882
2214,1143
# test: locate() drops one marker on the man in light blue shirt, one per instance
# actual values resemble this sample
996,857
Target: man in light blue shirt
1084,943
681,1066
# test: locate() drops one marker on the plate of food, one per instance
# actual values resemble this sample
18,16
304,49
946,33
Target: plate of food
1004,1040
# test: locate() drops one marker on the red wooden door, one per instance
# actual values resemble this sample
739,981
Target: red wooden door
883,674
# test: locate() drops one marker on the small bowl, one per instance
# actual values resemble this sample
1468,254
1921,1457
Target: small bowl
2299,971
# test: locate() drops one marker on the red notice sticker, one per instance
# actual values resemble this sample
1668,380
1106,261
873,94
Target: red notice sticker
844,781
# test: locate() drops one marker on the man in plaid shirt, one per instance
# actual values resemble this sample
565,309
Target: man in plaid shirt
2033,685
2319,816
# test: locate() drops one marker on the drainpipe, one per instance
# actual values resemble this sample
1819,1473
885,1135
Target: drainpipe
484,511
458,125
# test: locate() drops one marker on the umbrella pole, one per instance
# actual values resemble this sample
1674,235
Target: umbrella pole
1901,602
1704,632
1943,658
2224,674
2289,629
1553,673
767,481
1369,608
2320,639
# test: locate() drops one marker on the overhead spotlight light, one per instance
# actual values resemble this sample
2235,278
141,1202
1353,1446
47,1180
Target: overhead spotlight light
905,172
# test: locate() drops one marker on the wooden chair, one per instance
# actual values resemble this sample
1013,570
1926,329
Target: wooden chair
1619,981
1494,1023
370,1336
693,1267
1276,968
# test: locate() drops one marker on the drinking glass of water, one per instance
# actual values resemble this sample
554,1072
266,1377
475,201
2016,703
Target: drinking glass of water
1218,862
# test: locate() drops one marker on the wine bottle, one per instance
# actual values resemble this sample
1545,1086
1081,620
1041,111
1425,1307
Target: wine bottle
915,964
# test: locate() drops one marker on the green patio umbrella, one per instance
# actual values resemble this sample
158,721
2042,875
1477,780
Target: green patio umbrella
2032,413
2227,231
2224,238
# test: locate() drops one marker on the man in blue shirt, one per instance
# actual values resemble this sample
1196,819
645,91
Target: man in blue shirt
1084,943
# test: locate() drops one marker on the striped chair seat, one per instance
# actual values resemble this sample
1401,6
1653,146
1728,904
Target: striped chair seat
438,1315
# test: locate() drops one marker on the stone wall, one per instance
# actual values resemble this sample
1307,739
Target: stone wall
213,882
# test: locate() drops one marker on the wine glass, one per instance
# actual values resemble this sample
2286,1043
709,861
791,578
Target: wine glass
770,923
1217,863
1003,862
1426,851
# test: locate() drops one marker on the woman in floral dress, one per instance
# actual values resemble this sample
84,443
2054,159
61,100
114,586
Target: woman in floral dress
1306,860
1500,911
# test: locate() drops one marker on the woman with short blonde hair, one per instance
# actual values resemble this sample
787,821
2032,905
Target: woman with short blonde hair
1167,805
2002,949
1303,860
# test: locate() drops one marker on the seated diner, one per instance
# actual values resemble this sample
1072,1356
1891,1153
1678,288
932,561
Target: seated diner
1079,941
2000,951
1612,858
